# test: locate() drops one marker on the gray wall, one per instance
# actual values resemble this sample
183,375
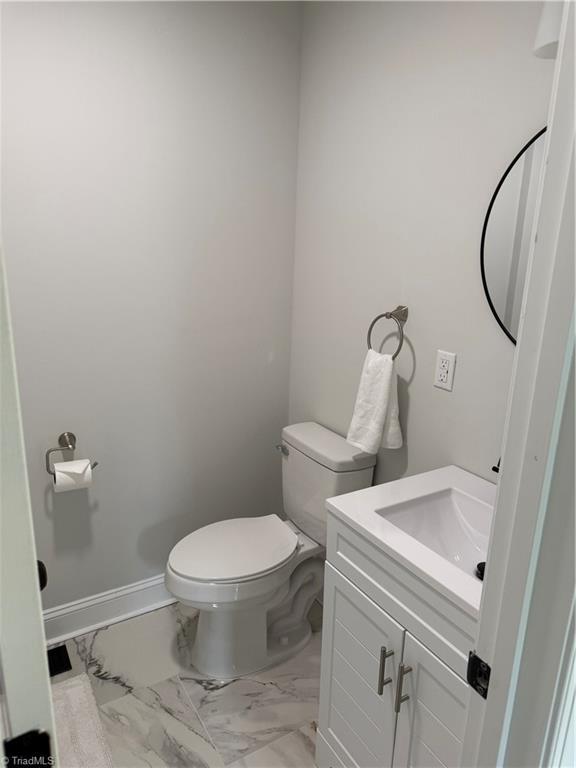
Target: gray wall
410,112
149,189
148,213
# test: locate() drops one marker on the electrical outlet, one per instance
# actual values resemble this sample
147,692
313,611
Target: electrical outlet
444,373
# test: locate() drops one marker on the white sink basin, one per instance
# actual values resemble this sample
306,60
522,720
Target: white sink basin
436,524
450,522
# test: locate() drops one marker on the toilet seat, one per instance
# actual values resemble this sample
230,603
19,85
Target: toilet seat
234,550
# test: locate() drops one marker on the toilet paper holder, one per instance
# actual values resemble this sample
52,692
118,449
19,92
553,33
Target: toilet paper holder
66,442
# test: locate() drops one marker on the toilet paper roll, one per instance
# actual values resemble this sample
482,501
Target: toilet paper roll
71,475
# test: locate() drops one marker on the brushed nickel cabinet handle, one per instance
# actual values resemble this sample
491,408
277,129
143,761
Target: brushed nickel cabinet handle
382,680
403,669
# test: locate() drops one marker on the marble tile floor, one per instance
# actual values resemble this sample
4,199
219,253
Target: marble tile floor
157,710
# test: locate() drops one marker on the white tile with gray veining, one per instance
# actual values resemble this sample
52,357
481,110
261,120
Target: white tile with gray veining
295,750
246,714
157,726
135,653
260,721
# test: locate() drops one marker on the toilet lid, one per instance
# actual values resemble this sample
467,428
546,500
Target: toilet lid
234,549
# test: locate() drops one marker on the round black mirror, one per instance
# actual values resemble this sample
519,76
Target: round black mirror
506,233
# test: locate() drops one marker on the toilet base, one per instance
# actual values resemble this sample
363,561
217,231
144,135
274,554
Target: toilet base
239,639
232,644
298,638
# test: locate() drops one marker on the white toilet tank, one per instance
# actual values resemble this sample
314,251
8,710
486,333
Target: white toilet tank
317,464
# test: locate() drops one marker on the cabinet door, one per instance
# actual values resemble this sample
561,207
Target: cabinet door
357,718
431,720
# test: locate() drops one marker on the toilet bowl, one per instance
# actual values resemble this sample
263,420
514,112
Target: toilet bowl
254,579
237,592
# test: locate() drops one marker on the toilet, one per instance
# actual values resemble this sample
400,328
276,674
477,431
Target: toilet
253,579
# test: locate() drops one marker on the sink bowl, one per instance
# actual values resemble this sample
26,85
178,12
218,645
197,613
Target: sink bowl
435,524
450,522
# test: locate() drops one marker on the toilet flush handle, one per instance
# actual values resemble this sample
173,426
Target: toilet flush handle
282,448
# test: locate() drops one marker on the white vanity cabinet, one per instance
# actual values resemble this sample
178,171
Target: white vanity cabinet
368,716
401,608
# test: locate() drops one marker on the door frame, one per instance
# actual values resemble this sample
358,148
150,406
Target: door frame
538,393
27,730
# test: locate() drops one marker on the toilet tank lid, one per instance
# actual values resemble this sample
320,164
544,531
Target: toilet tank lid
326,447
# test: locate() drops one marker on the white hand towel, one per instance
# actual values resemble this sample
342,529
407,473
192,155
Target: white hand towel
375,421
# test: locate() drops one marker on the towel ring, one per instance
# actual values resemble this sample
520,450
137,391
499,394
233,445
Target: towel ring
399,315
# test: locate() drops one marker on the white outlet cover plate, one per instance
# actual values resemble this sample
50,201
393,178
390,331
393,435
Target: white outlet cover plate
444,371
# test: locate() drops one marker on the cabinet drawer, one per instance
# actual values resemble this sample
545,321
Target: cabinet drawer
444,627
357,721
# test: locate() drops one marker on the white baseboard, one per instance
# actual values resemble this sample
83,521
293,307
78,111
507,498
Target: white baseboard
91,613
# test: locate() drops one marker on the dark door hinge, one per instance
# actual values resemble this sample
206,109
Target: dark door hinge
30,748
478,674
42,574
